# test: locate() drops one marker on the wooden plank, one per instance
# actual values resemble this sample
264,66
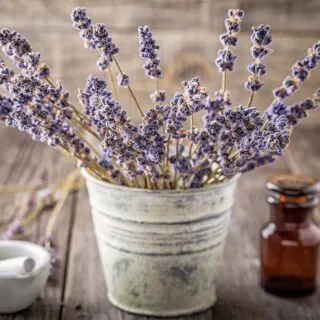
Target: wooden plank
304,151
85,293
289,16
23,161
304,155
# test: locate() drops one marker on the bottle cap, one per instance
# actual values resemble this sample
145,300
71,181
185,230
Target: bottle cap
293,185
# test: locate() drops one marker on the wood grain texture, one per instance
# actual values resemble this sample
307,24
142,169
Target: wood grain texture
22,162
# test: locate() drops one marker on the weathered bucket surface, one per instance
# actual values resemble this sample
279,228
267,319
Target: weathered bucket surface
160,248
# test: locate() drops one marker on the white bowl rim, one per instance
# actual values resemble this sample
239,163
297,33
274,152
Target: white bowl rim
118,187
39,251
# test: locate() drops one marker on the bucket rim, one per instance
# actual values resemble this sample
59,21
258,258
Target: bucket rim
117,187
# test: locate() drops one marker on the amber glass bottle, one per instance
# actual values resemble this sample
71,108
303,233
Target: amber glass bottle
290,240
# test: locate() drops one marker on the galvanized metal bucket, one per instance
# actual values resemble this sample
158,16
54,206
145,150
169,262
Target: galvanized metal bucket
160,248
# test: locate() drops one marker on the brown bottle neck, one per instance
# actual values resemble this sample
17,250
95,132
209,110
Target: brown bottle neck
282,215
291,210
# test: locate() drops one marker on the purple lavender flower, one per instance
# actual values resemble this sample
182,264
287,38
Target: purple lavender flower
42,111
96,37
181,164
123,80
260,38
158,96
20,51
300,72
112,122
148,50
80,19
292,113
5,74
154,141
198,177
226,58
6,107
193,99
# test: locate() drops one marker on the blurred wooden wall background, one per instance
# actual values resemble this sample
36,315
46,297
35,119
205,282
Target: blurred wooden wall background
187,31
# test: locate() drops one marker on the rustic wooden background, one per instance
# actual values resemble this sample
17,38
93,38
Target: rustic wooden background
187,31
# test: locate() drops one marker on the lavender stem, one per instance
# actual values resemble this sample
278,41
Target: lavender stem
113,82
129,87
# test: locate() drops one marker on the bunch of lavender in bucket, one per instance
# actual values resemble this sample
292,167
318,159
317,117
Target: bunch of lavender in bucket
159,239
163,151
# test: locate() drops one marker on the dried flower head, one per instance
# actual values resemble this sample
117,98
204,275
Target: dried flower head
149,50
261,40
96,36
226,58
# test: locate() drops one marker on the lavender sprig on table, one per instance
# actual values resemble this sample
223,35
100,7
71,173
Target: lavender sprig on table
162,150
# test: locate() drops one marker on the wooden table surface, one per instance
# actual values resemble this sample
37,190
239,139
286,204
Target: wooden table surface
79,291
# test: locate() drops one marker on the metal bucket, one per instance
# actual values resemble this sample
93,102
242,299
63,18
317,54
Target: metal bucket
160,248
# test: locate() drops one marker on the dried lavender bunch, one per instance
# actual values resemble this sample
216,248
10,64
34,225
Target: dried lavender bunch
43,111
19,50
161,151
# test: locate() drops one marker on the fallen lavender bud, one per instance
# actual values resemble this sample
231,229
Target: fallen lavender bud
14,231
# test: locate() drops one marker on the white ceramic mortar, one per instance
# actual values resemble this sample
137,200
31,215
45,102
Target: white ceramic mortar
160,248
19,291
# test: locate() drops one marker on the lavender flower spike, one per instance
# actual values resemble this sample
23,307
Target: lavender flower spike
19,50
299,73
96,37
260,38
148,50
226,58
